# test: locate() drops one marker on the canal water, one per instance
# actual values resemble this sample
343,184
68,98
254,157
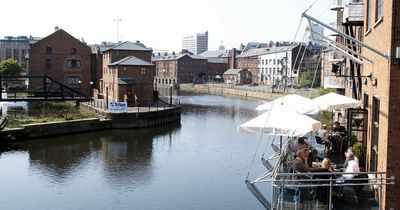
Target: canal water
200,164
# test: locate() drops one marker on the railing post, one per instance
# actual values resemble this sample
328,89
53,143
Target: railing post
45,86
330,194
1,88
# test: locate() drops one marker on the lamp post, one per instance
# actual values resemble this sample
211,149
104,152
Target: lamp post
91,89
107,98
170,95
80,85
284,63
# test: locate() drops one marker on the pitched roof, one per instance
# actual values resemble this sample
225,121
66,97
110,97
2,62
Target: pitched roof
265,51
215,53
233,71
216,60
126,81
130,46
60,32
131,61
177,57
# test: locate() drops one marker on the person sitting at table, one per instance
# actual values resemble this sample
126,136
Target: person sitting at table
300,162
323,134
300,144
344,165
351,165
338,132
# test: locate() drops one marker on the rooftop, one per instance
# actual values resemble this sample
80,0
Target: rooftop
131,61
137,46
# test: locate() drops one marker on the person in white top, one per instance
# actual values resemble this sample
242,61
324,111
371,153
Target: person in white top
351,165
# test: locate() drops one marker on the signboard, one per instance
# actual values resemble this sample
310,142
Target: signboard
117,107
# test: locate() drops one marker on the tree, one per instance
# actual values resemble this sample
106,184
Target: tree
10,67
306,79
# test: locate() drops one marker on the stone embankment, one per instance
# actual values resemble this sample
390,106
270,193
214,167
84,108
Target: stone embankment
143,119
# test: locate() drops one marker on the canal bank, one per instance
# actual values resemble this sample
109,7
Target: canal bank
127,120
258,92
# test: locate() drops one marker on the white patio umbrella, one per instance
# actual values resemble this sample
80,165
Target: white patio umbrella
299,103
333,101
281,121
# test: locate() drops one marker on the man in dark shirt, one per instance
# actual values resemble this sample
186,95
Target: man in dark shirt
337,128
338,132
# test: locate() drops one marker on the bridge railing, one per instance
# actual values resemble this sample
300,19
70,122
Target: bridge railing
38,88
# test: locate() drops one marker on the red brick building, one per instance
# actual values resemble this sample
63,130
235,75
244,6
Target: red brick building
128,74
181,68
249,60
63,58
380,93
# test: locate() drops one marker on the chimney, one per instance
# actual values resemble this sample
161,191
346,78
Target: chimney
173,53
56,28
233,59
137,42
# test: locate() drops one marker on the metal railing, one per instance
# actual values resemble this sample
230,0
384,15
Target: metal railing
320,190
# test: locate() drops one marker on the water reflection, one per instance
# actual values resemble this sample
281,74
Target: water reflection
124,155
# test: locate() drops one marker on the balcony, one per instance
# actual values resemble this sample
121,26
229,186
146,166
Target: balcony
354,13
337,5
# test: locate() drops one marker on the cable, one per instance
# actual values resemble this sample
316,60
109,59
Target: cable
259,142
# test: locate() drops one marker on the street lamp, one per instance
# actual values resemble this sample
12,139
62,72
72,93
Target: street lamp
80,87
91,89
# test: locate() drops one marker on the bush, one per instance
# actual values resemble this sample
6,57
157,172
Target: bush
360,153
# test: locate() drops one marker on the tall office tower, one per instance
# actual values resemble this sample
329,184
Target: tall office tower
196,44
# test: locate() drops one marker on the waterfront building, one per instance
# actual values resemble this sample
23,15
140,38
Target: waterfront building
369,64
379,93
196,44
249,60
97,61
63,58
181,68
127,74
237,76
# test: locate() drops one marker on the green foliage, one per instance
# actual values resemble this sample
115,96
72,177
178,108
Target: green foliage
326,118
10,67
42,112
360,153
306,79
323,91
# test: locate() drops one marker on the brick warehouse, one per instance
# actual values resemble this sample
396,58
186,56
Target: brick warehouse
63,58
381,28
128,74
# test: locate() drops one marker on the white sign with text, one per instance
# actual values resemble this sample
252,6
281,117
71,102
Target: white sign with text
117,107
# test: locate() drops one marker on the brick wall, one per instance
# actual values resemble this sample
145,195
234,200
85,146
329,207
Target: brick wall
61,44
384,36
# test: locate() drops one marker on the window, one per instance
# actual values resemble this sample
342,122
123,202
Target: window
73,63
16,54
8,53
48,63
366,99
379,10
73,80
73,51
49,50
375,134
369,14
23,53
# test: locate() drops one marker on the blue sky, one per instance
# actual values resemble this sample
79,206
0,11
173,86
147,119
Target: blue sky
161,24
